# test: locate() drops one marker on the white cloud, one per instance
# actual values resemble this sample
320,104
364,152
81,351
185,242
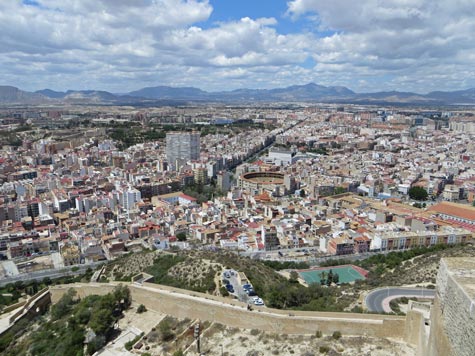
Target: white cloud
121,45
60,43
395,39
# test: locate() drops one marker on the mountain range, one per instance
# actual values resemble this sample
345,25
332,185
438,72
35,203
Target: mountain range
180,95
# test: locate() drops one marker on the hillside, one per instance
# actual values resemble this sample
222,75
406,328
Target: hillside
201,271
167,95
423,269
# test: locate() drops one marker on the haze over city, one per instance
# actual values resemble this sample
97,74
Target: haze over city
122,46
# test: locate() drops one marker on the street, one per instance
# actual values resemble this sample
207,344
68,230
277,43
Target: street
375,300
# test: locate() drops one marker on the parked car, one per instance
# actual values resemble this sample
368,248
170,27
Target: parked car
257,301
251,293
229,288
246,286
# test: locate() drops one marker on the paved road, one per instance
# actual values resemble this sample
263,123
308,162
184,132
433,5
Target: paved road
312,257
375,301
50,273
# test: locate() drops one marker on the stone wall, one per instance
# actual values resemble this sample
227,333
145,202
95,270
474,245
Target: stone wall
193,305
36,305
453,314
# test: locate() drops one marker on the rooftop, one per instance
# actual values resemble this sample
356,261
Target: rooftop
454,209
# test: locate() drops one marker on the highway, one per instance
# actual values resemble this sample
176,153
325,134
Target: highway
50,273
378,299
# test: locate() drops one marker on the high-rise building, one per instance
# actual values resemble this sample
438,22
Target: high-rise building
200,175
224,181
130,198
182,147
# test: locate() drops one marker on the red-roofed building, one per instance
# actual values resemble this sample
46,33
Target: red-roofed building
453,211
362,244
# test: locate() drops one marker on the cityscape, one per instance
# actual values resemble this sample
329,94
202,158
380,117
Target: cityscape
179,212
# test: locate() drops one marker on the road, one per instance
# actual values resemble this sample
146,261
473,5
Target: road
378,299
313,255
50,273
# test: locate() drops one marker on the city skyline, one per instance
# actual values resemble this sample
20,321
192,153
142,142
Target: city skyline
214,45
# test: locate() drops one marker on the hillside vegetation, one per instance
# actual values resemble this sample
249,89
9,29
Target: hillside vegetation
200,270
63,330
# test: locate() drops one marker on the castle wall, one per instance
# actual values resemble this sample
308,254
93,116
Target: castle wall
453,314
193,305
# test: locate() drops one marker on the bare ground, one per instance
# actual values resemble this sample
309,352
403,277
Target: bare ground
217,339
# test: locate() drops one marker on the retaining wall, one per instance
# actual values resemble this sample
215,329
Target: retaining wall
193,305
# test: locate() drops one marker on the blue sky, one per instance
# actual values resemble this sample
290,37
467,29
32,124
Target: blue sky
226,10
122,45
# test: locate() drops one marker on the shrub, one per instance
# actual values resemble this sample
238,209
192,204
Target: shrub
318,334
141,309
129,344
336,335
224,292
165,330
323,349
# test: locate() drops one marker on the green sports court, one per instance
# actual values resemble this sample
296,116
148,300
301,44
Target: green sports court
347,273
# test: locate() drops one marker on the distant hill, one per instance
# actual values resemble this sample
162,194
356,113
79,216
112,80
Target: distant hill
164,92
79,96
456,97
166,95
306,92
12,95
51,93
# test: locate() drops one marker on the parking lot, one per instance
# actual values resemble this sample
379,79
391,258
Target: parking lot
245,293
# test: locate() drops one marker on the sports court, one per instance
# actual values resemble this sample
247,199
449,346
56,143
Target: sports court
347,273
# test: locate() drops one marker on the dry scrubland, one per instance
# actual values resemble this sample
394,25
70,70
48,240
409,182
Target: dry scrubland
201,270
423,269
172,335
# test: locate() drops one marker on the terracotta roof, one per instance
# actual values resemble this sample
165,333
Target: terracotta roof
454,209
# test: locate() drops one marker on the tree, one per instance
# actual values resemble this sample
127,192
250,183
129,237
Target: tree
181,236
330,278
418,193
294,276
64,305
336,278
166,330
101,321
122,294
323,278
339,190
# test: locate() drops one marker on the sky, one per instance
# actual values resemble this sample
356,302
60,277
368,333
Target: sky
124,45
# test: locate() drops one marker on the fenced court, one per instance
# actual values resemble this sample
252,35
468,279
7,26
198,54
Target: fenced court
347,273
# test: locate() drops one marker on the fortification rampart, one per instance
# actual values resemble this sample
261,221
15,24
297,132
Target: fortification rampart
184,304
36,305
453,313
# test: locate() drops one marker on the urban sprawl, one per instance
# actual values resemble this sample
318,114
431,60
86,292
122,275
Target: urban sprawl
88,184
